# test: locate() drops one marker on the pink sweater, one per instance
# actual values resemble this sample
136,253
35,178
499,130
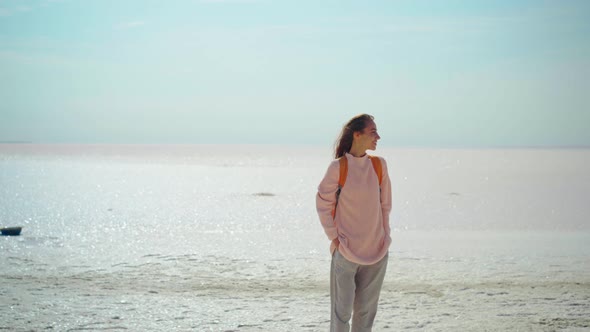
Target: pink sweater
360,229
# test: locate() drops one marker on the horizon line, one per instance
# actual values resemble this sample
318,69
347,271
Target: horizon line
408,146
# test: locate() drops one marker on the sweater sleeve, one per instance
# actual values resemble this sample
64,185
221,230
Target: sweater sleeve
326,199
386,198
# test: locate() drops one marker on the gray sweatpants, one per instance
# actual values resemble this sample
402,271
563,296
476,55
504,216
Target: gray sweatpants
355,288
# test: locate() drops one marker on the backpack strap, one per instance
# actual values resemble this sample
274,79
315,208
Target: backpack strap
377,167
343,172
341,180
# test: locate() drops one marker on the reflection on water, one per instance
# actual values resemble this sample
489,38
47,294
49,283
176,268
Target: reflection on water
228,240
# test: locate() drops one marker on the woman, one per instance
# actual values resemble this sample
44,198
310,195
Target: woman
356,220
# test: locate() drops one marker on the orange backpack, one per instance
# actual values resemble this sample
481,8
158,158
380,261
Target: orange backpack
344,172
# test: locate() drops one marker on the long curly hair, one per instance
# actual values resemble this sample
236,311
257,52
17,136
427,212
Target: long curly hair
344,142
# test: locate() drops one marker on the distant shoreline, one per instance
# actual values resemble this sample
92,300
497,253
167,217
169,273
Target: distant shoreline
417,147
16,142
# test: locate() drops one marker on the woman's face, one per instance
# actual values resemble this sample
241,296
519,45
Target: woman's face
368,138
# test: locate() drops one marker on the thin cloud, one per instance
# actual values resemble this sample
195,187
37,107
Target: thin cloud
14,8
5,11
23,9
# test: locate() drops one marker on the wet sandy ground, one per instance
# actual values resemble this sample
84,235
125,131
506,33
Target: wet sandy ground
211,293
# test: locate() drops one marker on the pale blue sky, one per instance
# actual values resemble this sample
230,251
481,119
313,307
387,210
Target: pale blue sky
433,73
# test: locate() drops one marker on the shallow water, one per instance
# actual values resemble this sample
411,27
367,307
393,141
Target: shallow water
226,239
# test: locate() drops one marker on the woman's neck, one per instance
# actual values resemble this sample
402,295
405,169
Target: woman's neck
357,152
